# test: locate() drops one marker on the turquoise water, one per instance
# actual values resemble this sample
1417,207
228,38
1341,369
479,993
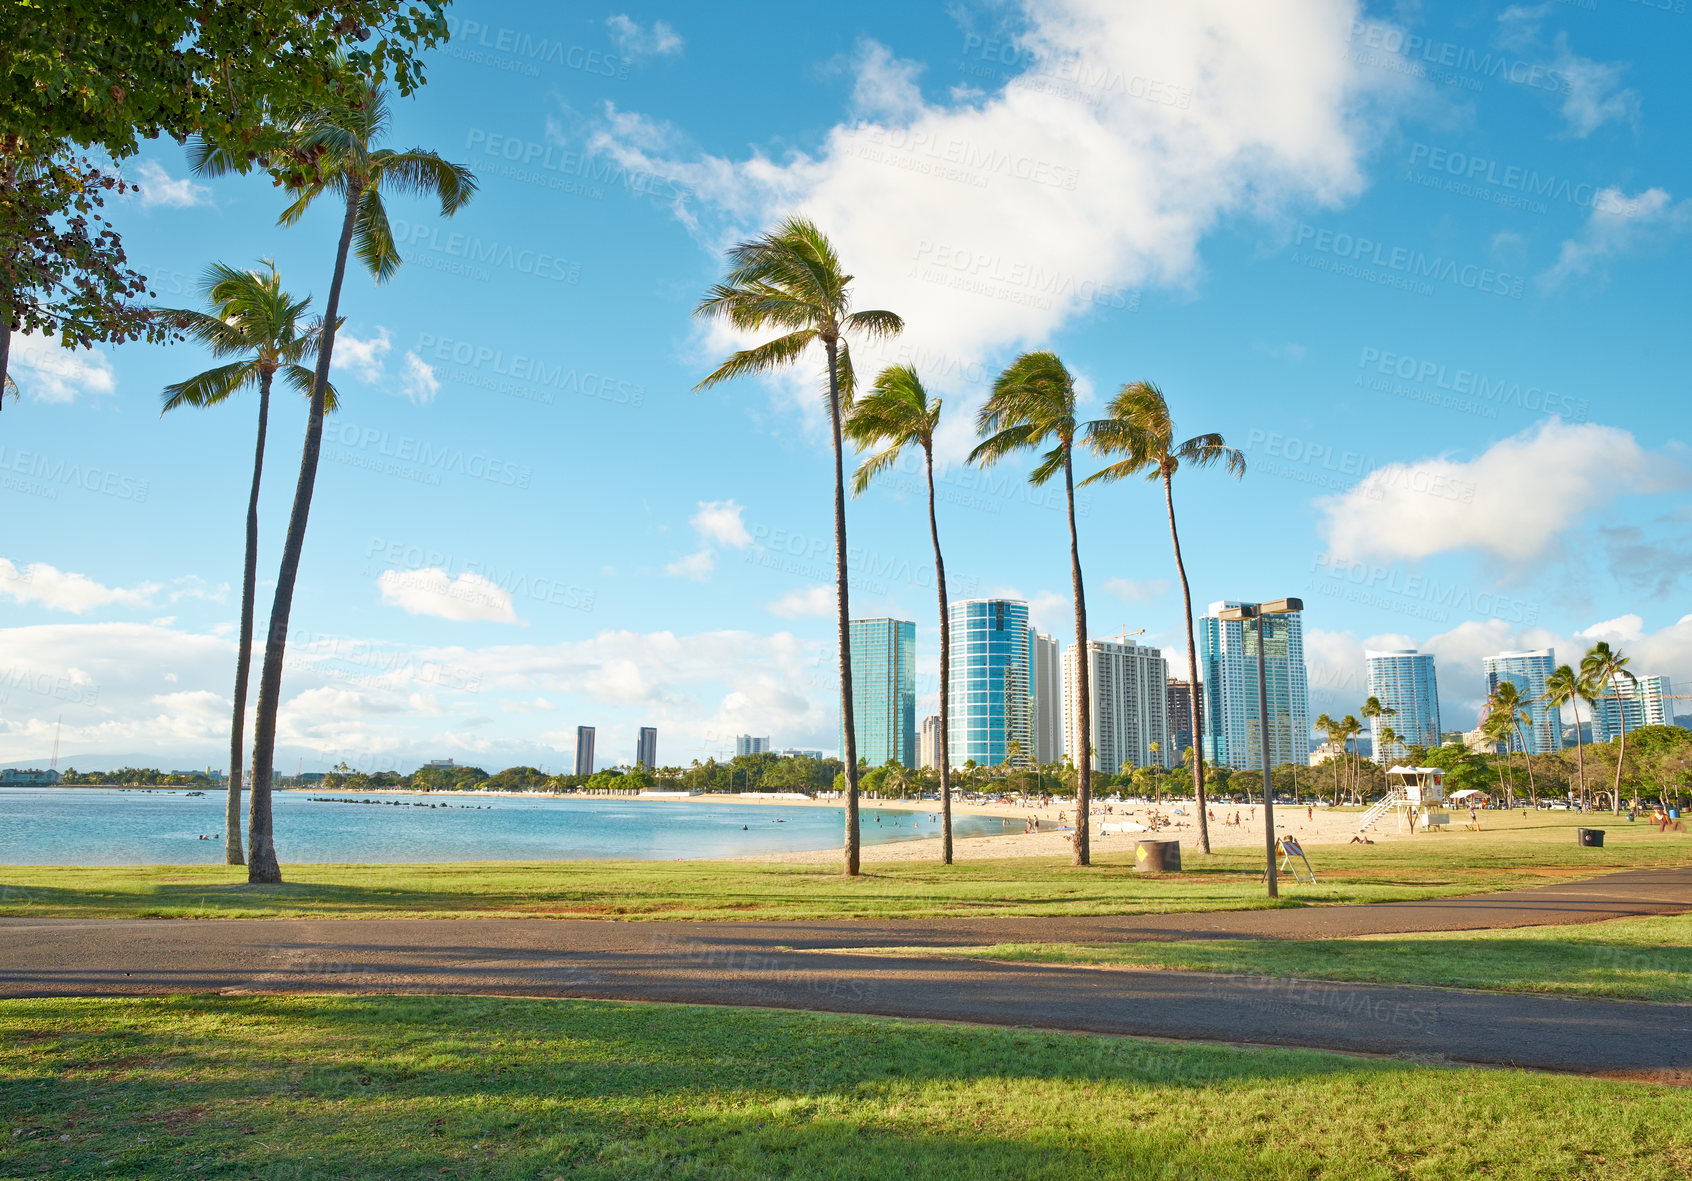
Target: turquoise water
113,826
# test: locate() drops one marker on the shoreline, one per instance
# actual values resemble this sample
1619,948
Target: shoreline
1318,827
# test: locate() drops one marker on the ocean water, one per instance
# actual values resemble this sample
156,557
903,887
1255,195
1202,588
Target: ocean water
114,826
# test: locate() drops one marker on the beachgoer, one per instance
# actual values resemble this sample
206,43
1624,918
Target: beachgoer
1309,813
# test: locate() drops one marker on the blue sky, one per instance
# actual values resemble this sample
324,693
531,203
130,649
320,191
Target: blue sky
1424,264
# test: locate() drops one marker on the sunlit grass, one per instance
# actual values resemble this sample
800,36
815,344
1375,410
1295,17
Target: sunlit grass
1648,959
492,1088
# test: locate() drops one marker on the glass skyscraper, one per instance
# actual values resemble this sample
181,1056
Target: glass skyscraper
1643,702
1404,681
884,691
1229,712
1542,727
1130,704
990,692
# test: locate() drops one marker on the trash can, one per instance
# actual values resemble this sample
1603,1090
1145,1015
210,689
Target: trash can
1674,813
1591,837
1157,857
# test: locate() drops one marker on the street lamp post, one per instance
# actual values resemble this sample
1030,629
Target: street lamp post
1240,614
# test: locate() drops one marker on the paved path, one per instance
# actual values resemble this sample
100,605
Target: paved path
767,964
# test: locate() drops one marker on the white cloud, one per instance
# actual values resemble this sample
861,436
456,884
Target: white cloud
1595,95
419,382
1514,500
59,590
637,42
1592,91
158,188
467,598
816,600
1616,225
1130,131
697,565
57,374
364,357
885,86
1138,590
719,521
192,586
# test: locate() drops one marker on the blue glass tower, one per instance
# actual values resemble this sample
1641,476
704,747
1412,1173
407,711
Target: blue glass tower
884,691
990,706
1405,682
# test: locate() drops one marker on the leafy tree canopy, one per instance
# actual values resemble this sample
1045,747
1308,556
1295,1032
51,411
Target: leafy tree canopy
111,73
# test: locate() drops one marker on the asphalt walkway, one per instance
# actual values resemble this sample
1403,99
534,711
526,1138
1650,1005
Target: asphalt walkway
806,965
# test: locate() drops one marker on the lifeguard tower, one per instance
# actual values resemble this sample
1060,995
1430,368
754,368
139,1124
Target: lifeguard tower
1416,794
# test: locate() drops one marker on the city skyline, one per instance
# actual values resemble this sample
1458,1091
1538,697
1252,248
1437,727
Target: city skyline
1305,295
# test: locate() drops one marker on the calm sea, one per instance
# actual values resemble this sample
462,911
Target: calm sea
112,826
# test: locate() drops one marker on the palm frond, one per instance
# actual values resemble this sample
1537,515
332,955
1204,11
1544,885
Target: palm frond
763,358
874,466
1050,465
300,378
1209,450
373,239
1002,443
212,387
874,324
421,173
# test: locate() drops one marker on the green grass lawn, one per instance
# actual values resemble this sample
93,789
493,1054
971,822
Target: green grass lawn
1513,852
1647,959
303,1087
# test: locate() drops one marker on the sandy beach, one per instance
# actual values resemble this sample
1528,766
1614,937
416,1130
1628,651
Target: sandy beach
1320,826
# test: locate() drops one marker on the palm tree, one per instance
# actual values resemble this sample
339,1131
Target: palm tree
791,279
328,151
1509,707
1033,404
1333,730
1604,667
896,413
265,328
1350,728
1138,427
1496,730
1389,739
1565,687
1370,710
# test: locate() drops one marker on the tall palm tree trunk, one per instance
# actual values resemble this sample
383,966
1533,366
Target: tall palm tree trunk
1580,755
848,737
1083,764
942,748
5,349
232,854
262,866
1192,668
1621,752
1527,761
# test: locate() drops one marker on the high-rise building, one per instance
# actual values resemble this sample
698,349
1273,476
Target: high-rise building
746,744
1129,685
1045,697
584,750
928,743
1228,711
1178,704
646,748
1404,681
1639,703
1542,724
990,706
884,691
